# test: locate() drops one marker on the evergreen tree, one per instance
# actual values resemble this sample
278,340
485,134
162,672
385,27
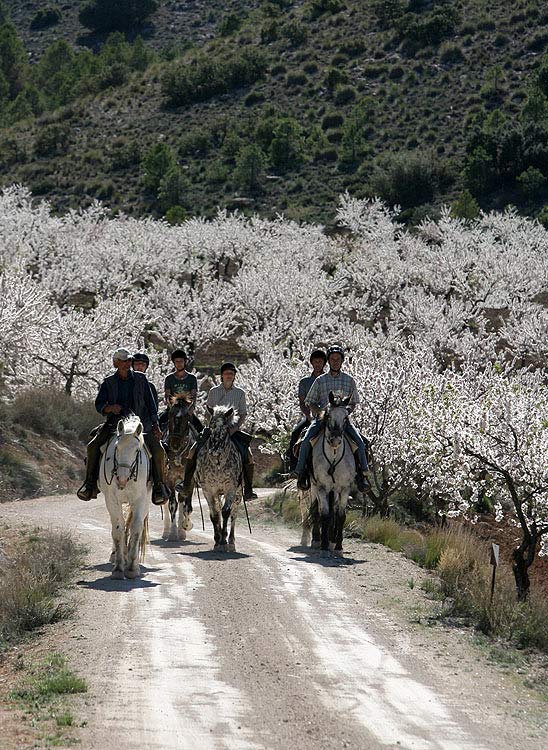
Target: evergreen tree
249,172
156,163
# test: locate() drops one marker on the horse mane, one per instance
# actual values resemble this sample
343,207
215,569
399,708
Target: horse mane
131,424
220,412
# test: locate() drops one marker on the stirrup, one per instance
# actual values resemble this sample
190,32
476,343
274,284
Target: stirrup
303,482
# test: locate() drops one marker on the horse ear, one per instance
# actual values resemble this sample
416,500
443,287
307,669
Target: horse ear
229,414
210,410
139,429
120,428
346,401
172,400
331,398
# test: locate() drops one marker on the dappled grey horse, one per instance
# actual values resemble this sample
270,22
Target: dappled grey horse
181,435
219,473
333,472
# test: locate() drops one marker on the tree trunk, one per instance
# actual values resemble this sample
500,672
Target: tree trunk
523,557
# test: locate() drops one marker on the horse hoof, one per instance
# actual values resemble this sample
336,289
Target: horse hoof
232,548
337,553
117,574
182,535
133,573
165,536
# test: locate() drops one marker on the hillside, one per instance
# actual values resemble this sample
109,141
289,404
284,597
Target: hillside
374,98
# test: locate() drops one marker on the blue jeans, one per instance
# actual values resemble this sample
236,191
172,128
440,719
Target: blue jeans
314,429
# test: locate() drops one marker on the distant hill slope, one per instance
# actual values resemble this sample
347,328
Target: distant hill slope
347,85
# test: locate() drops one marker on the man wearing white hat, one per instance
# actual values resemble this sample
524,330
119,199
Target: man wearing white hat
123,393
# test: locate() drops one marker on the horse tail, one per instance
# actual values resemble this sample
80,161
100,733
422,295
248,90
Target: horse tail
144,540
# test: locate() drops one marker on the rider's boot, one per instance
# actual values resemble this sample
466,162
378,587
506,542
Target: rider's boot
88,491
303,481
362,483
248,470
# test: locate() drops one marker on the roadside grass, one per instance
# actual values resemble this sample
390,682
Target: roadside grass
461,561
34,572
42,695
53,413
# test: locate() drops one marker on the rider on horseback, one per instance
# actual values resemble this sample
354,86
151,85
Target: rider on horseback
317,399
140,364
318,359
226,394
123,393
180,381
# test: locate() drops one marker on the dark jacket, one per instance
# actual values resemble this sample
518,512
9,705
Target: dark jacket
139,401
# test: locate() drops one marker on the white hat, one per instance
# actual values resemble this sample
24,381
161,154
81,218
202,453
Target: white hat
121,355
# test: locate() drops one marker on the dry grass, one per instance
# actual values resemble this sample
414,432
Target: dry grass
33,573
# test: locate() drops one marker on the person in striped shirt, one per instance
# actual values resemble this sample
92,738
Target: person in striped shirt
343,385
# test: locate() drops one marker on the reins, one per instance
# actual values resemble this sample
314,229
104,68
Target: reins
332,465
133,467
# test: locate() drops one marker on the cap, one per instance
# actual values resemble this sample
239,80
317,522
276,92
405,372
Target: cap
121,355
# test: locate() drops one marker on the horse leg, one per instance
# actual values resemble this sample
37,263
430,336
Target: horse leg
316,524
172,508
215,515
231,541
323,508
133,569
185,508
304,503
167,520
333,505
118,555
226,513
340,518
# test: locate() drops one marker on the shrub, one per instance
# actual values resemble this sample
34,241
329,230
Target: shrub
175,215
538,41
157,162
388,11
344,95
229,24
317,8
335,77
195,143
125,155
531,182
51,140
296,78
116,15
466,206
296,33
287,145
18,474
451,53
332,120
206,77
396,73
54,413
172,188
249,171
39,568
427,29
407,180
45,17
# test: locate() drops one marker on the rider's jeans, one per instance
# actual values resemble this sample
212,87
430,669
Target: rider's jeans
314,430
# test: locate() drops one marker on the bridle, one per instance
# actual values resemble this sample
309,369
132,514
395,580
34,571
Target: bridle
337,432
133,466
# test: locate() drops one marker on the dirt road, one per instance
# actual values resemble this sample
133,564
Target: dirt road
273,647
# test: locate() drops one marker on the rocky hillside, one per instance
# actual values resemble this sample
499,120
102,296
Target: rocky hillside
281,106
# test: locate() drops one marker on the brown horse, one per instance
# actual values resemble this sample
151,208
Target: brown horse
181,436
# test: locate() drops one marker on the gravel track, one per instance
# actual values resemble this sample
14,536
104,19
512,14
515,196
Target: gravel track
273,647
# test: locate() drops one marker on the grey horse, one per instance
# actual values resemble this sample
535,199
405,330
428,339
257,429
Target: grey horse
333,472
219,473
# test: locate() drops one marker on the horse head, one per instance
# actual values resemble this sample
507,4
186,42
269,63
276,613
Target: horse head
220,424
335,419
129,442
179,416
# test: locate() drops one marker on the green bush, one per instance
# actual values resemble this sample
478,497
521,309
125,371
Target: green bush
51,140
116,15
18,474
451,53
206,77
407,179
156,163
45,17
296,33
296,78
344,95
531,182
335,77
317,8
176,215
332,120
249,170
173,188
229,24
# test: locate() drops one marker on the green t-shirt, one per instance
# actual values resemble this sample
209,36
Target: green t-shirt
180,385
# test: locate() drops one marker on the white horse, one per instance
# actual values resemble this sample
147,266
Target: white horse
219,473
124,480
333,472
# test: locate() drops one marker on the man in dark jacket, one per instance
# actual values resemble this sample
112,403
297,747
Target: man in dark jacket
140,364
121,394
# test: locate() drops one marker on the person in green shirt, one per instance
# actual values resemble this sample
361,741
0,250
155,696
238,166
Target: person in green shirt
181,381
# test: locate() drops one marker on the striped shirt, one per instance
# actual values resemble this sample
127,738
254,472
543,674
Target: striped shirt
343,386
235,397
